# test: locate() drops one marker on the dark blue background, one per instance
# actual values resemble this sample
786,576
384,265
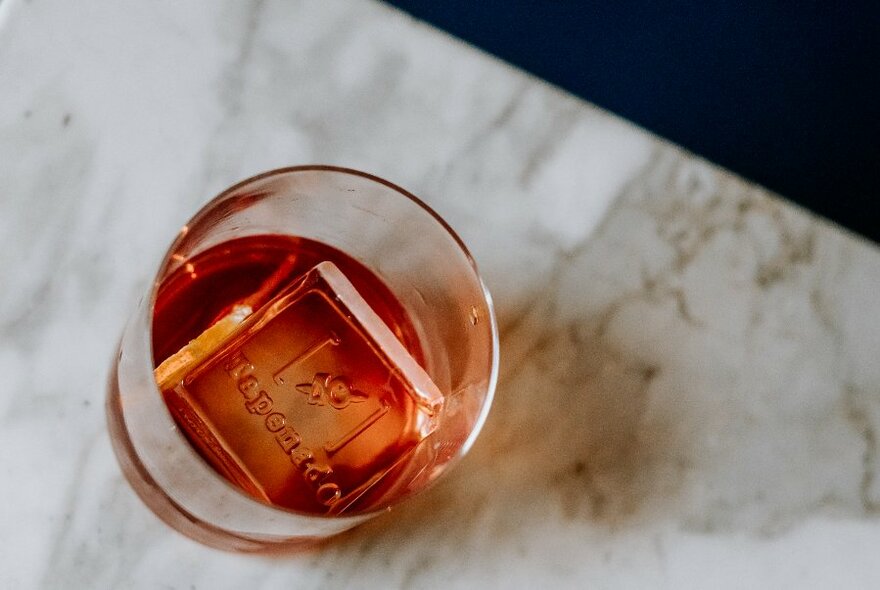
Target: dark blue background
784,93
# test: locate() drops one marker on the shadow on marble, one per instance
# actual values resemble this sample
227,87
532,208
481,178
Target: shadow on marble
565,441
679,367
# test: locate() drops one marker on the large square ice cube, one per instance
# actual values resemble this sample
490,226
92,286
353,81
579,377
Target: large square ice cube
311,400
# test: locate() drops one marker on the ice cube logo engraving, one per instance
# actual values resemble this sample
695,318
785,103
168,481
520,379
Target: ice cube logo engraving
336,391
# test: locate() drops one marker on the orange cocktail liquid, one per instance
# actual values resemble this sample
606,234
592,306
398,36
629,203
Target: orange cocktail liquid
304,384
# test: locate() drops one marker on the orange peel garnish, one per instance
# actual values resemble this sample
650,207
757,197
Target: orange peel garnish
175,367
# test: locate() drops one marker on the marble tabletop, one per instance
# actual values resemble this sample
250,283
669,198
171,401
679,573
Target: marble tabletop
689,393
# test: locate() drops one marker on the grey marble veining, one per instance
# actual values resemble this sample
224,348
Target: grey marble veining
689,393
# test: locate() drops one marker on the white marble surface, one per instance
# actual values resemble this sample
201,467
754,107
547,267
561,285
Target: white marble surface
690,392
